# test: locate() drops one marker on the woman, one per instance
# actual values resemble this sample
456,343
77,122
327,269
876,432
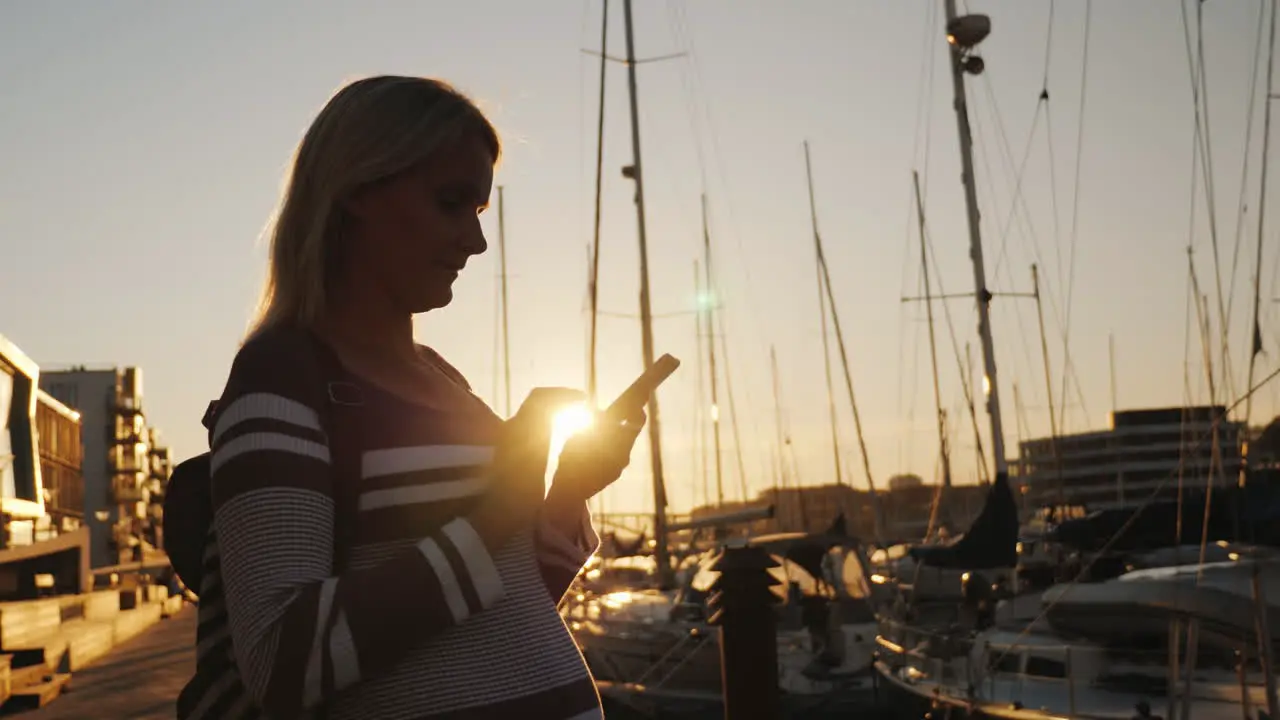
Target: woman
381,547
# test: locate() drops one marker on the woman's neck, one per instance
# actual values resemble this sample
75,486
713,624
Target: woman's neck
370,328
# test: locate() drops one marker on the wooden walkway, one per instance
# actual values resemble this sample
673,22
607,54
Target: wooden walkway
138,680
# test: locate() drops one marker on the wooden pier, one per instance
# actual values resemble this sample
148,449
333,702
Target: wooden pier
56,645
139,679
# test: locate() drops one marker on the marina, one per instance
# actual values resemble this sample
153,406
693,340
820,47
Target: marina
771,559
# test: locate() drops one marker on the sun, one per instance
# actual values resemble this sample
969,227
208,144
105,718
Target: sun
570,421
566,423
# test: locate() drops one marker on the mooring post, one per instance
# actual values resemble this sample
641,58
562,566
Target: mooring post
743,606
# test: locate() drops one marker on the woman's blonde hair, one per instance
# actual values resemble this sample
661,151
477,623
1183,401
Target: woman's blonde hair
370,130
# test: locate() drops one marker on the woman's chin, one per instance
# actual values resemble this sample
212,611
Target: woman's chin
433,299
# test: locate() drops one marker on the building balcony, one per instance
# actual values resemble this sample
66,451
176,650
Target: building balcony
130,458
128,406
126,489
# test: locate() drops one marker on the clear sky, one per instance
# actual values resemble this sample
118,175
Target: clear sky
142,147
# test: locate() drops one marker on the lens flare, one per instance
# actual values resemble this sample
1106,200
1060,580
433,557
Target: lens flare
568,422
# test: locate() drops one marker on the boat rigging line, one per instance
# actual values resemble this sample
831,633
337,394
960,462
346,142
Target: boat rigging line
1068,366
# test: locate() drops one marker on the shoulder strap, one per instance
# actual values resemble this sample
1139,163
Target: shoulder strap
343,428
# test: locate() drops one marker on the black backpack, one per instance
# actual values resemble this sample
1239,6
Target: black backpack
188,501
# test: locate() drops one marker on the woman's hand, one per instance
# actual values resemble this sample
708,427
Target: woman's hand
515,495
594,458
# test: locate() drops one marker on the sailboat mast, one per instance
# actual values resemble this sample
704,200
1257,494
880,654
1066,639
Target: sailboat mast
594,285
844,356
959,64
826,365
1255,336
733,408
506,344
943,450
699,391
661,554
709,309
777,415
780,480
1111,361
1048,385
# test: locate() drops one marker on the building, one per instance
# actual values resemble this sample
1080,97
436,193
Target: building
61,461
161,467
124,468
1144,451
40,529
20,483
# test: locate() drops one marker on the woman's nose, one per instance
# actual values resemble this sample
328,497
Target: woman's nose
474,243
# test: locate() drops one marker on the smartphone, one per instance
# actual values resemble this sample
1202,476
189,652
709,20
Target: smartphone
635,397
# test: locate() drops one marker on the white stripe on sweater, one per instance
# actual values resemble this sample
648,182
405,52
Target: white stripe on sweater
265,406
423,493
392,461
258,442
477,559
312,685
448,581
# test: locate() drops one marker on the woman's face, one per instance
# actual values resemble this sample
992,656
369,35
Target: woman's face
414,232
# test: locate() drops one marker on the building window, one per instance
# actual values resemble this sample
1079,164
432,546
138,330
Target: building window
7,455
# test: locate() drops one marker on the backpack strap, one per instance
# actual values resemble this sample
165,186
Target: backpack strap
343,426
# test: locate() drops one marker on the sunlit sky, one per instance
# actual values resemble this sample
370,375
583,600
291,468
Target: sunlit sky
142,147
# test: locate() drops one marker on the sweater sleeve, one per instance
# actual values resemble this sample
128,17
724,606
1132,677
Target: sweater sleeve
563,551
300,633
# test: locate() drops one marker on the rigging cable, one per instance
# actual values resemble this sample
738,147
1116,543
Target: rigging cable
1196,68
923,126
691,69
1027,228
1242,211
1007,157
1068,366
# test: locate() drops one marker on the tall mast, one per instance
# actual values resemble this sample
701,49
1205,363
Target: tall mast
1048,386
962,35
1111,361
699,391
844,356
594,283
777,420
506,344
826,366
944,451
709,308
733,408
646,318
1256,334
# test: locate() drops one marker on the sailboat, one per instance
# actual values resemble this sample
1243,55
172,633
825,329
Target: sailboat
1107,649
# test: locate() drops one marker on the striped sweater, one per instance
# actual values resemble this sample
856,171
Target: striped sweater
421,621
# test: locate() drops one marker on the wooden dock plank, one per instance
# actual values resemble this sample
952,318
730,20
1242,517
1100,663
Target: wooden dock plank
36,695
140,678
